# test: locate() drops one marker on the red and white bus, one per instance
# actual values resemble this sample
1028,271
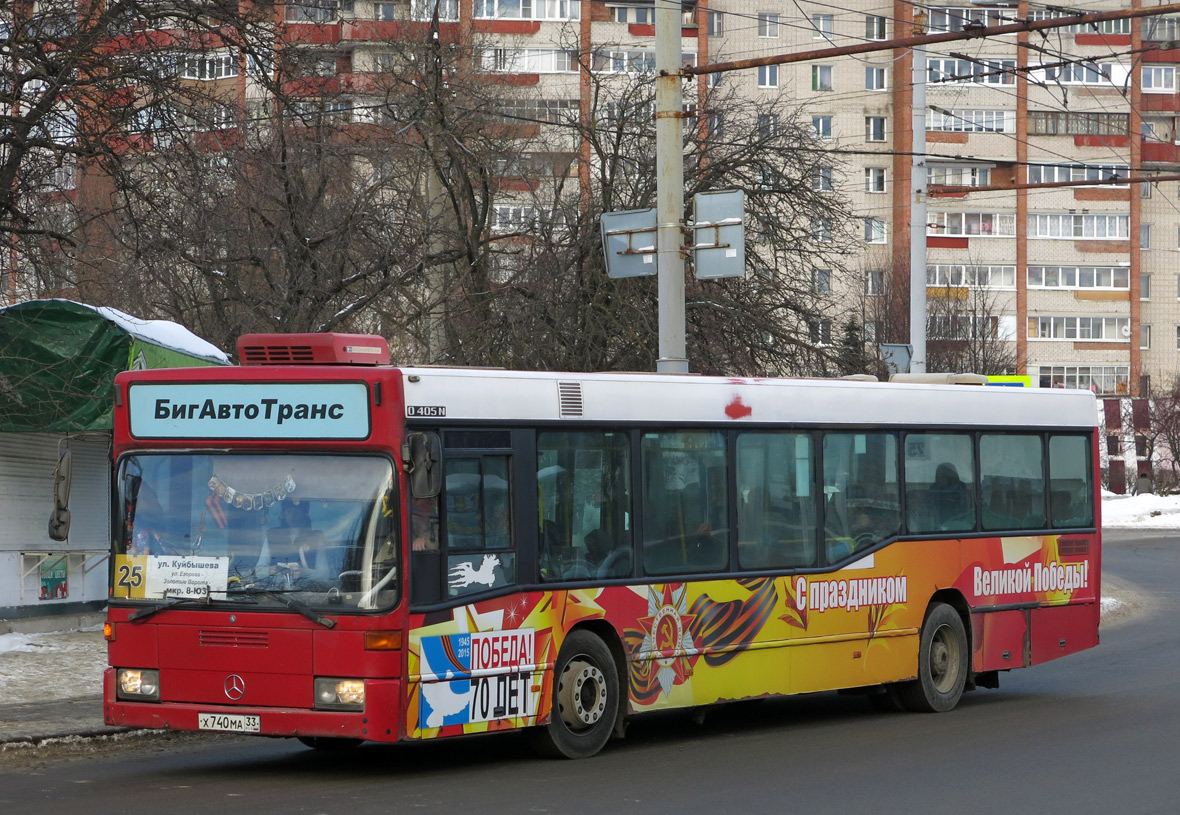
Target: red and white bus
320,545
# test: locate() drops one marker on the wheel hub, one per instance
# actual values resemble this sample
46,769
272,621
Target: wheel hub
581,694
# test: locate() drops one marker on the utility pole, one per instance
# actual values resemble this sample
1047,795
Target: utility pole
673,357
918,204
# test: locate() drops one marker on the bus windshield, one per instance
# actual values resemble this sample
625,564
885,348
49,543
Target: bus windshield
317,530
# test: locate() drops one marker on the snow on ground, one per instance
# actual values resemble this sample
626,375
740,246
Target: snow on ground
45,667
1140,511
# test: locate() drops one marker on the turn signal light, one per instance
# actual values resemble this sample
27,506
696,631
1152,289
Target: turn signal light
383,640
108,631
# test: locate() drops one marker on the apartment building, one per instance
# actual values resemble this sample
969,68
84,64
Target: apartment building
1081,281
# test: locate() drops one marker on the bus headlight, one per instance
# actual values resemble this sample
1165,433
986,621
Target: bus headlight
139,684
339,694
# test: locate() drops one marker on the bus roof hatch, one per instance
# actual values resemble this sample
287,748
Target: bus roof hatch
312,349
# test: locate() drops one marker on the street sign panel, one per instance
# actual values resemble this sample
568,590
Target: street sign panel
629,242
719,234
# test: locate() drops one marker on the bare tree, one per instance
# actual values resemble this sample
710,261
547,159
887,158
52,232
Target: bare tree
87,85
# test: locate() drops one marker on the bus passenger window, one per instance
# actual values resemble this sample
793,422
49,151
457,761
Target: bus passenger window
776,524
940,488
685,506
1012,475
478,523
862,498
1071,493
584,491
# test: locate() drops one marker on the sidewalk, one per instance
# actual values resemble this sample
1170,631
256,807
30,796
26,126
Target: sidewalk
34,722
52,685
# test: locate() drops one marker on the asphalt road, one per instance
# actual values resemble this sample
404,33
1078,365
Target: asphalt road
1096,732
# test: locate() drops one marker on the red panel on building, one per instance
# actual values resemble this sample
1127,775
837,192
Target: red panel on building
1103,141
943,242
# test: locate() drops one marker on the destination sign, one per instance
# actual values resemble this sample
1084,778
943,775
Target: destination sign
250,410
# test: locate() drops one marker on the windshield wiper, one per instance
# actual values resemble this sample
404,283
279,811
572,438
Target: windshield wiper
291,603
169,602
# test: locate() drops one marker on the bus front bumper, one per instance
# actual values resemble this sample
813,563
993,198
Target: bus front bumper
378,722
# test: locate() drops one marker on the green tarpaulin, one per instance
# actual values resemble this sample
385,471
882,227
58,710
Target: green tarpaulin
58,360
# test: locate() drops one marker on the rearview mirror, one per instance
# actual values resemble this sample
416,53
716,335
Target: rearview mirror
422,456
63,476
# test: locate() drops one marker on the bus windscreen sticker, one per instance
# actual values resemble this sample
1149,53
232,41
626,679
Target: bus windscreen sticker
222,410
477,677
148,577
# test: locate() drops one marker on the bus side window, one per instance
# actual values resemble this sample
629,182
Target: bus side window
1011,471
478,523
584,505
776,505
862,497
940,482
1071,494
685,505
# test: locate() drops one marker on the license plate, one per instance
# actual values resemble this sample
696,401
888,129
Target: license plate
228,722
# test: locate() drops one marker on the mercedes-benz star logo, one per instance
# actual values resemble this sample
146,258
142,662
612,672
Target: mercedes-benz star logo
235,686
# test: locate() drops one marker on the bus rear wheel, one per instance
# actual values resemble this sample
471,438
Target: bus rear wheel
585,700
942,663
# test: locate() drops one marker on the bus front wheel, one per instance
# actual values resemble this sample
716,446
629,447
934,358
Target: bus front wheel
585,700
942,663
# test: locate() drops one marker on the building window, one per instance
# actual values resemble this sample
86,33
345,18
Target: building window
821,230
1145,337
385,11
874,230
1076,73
971,121
1072,226
1106,329
767,76
821,77
1178,337
1101,379
971,276
821,281
821,180
1159,78
873,283
767,125
958,175
1047,173
209,66
448,10
874,27
1115,278
1060,123
1144,236
874,79
983,224
821,127
716,26
1144,287
822,25
874,128
874,179
821,332
981,72
767,25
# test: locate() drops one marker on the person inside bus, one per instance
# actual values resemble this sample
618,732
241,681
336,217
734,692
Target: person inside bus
949,496
294,547
603,559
